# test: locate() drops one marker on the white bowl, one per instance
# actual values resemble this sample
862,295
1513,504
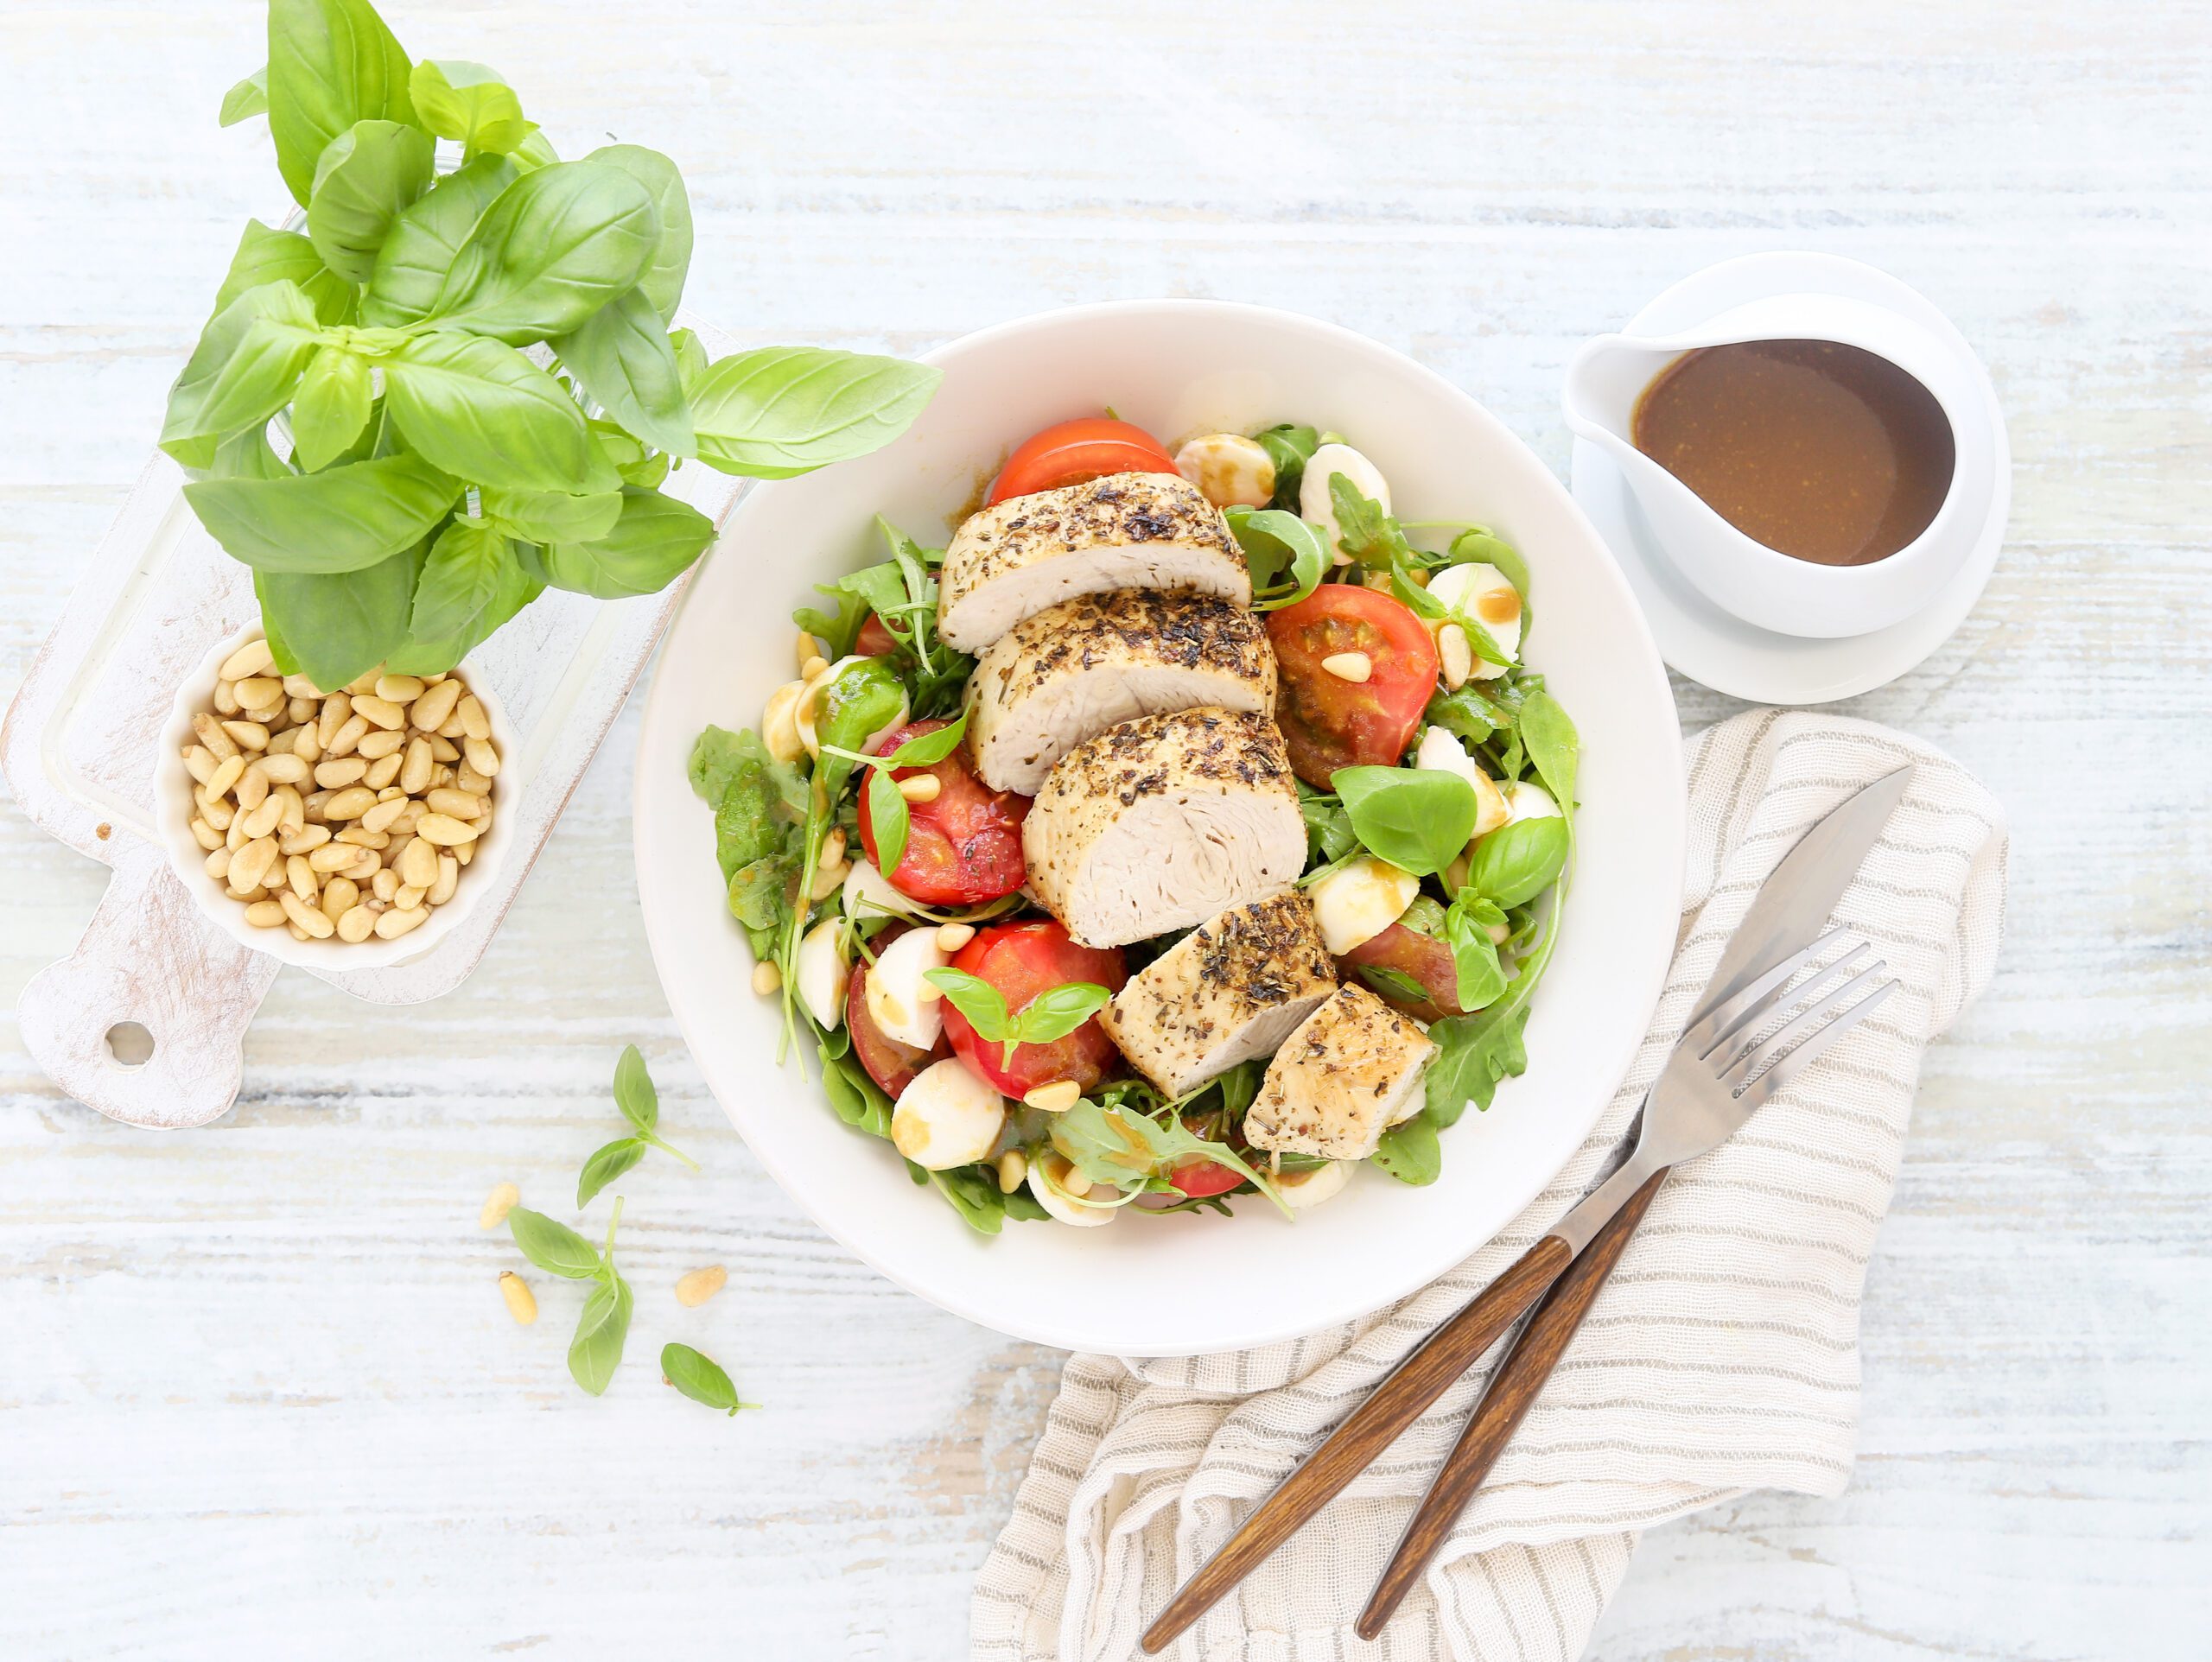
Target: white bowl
173,815
1187,1282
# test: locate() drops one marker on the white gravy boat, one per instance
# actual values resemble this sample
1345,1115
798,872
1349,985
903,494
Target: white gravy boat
1742,576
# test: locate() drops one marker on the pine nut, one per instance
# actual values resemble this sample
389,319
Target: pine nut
766,977
1076,1181
466,852
1055,1098
460,805
375,747
286,770
295,931
418,864
482,756
445,830
474,721
951,937
257,892
349,734
809,652
375,841
442,750
235,838
399,689
364,682
384,884
335,709
437,703
307,745
1013,1166
929,992
414,772
281,742
407,896
331,857
252,788
813,666
248,735
225,700
1456,655
393,924
218,863
357,925
303,879
829,879
263,820
349,803
381,772
298,709
205,834
922,787
251,863
253,659
522,1303
448,877
695,1287
503,1199
294,815
832,849
466,779
451,728
304,840
213,809
211,733
304,916
264,914
339,896
199,762
1354,667
256,692
227,773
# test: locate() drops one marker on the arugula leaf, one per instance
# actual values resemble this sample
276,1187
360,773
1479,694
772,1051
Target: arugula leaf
553,1246
974,1192
470,102
856,1099
483,412
779,411
654,540
331,406
1113,1143
346,519
701,1379
423,242
558,244
362,181
1371,536
838,630
1475,1052
1418,819
1289,446
1410,1152
1276,543
331,63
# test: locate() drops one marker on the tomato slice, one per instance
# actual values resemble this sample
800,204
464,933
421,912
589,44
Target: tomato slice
963,847
875,639
1021,961
1421,959
890,1064
1073,451
1331,723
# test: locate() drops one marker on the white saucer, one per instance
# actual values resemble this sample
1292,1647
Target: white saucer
1723,652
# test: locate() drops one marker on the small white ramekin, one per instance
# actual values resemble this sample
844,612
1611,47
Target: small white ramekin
173,813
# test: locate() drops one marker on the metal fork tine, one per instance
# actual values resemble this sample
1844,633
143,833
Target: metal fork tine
1795,1062
1777,1044
1811,988
1714,1025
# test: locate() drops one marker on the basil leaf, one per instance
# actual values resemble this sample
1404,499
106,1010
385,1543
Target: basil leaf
331,406
633,1091
663,281
266,255
856,1099
622,356
1418,819
368,173
601,1331
338,624
632,463
654,540
700,1378
888,817
1410,1152
1479,544
249,455
468,101
928,749
976,999
1517,862
553,515
1392,983
426,238
484,412
241,372
459,580
429,650
1289,446
691,355
1470,712
249,98
1554,745
858,703
1275,543
554,1247
558,244
780,412
1058,1011
343,519
1474,956
331,63
606,1165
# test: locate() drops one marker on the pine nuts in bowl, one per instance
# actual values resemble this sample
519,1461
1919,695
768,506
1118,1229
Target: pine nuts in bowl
347,830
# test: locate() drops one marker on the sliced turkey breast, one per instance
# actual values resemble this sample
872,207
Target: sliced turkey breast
1230,989
1093,662
1162,822
1126,530
1349,1073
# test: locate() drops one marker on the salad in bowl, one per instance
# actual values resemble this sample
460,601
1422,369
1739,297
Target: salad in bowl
1186,834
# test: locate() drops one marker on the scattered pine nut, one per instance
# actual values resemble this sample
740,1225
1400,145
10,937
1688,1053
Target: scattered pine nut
813,666
1456,656
1013,1166
503,1199
1055,1098
922,787
833,847
829,879
1354,667
951,937
768,979
696,1287
809,651
522,1303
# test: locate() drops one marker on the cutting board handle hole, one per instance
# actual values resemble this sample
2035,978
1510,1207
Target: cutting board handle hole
129,1044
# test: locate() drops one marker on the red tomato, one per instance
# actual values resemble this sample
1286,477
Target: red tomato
1423,958
889,1062
1073,451
1198,1179
875,639
1331,723
963,848
1021,961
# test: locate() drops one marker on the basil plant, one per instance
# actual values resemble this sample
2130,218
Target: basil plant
473,362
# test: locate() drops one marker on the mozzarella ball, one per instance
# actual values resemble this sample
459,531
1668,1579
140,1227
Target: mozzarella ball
868,893
947,1117
1302,1191
818,971
1082,1217
1357,902
1482,593
1526,800
1233,471
809,707
1442,752
1313,504
899,1000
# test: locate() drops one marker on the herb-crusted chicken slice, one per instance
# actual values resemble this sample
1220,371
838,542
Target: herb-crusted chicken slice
1127,531
1162,822
1087,664
1231,989
1351,1072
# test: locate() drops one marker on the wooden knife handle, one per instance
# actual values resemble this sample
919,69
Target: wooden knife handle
1512,1391
1366,1432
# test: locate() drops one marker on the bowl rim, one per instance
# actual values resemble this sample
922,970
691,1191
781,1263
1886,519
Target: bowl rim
1038,1324
188,859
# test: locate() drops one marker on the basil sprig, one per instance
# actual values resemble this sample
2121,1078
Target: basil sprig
596,1350
701,1378
888,816
641,1104
1053,1014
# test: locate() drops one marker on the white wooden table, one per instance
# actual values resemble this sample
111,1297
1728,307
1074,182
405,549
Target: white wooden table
258,1394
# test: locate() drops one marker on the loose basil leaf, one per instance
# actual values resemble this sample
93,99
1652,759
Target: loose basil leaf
622,356
482,411
249,98
663,281
1276,543
459,580
345,519
1418,819
888,817
1410,1152
1474,956
266,255
427,238
556,246
654,540
780,412
1058,1011
553,515
928,749
1553,743
1289,446
1516,863
248,359
701,1379
553,1246
601,1331
633,1091
606,1165
371,171
331,63
331,406
338,625
468,101
982,1004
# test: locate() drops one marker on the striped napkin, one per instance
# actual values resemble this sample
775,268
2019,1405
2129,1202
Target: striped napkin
1722,1356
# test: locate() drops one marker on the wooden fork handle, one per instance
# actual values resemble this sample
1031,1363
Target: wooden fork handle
1512,1391
1394,1405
